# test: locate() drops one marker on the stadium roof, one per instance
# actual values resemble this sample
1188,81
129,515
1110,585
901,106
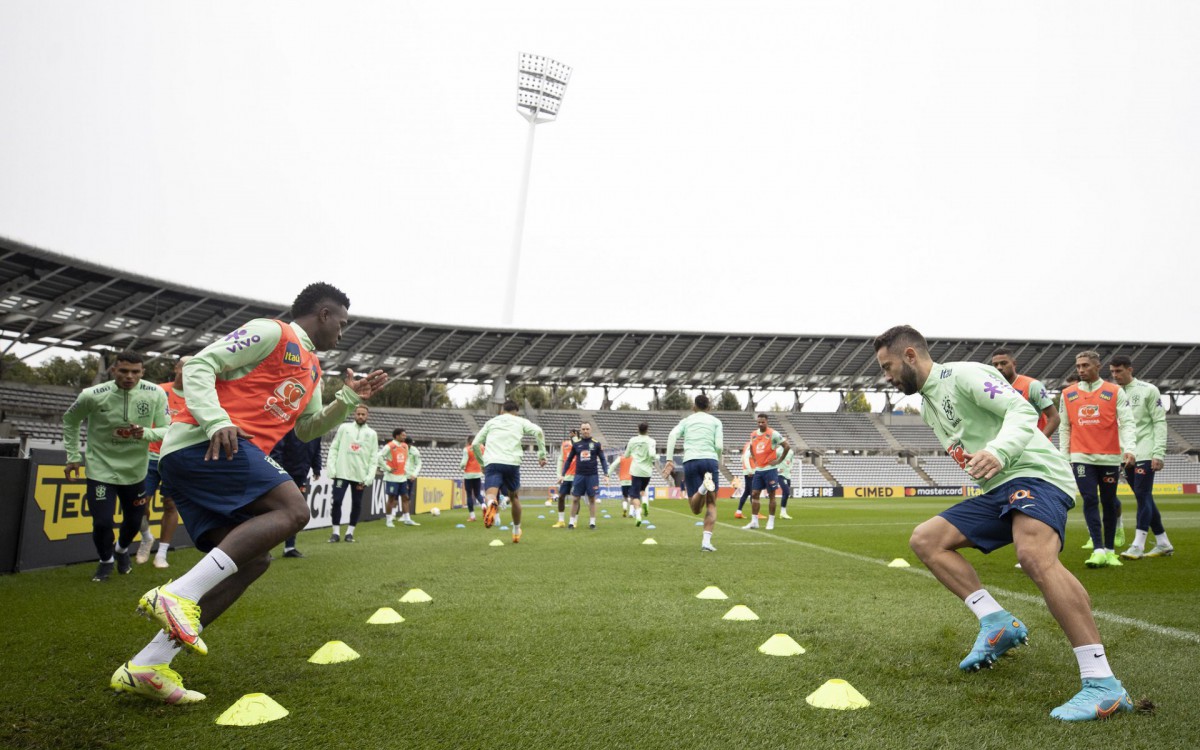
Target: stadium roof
53,300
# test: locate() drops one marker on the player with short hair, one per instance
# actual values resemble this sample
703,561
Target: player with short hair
1098,436
785,482
747,480
621,468
586,454
765,444
122,416
472,478
352,460
170,516
244,392
990,430
1150,425
1033,390
502,436
703,438
566,478
411,471
392,460
642,452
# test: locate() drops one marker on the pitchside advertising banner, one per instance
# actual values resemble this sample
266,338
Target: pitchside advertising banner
968,491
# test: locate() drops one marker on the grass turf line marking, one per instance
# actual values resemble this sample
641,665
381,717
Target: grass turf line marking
1183,635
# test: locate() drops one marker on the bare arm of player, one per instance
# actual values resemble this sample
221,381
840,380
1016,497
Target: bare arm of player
1052,420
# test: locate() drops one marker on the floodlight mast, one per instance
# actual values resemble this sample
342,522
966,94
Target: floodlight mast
541,86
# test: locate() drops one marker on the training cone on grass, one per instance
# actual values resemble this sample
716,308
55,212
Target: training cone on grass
385,616
899,562
740,612
333,652
495,543
415,596
837,694
781,644
251,709
711,592
649,541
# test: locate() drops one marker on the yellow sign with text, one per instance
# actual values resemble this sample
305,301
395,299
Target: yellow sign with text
64,504
433,493
872,492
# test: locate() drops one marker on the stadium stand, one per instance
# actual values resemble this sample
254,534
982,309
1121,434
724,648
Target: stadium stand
944,471
912,433
872,470
839,431
1188,428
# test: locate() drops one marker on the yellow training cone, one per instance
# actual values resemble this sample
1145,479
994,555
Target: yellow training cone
837,694
649,541
712,592
781,644
899,562
333,653
385,616
493,543
415,596
251,709
740,612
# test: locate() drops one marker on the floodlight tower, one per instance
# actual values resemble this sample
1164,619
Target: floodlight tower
541,86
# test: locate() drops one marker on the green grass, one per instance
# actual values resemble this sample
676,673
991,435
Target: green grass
591,639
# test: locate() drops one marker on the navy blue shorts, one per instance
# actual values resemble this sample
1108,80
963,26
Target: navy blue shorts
694,471
391,489
213,495
625,490
984,519
154,481
766,480
564,489
638,485
505,476
585,485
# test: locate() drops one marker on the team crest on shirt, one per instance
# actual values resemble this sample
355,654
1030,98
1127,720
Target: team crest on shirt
143,409
101,491
948,409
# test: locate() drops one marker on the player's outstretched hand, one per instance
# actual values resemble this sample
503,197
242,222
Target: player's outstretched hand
367,386
225,440
982,465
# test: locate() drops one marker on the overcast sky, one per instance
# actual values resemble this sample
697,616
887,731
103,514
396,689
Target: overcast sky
1016,170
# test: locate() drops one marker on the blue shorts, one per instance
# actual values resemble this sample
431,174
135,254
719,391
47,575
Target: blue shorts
638,486
564,489
392,489
505,476
766,480
625,490
694,471
154,481
985,521
213,495
585,485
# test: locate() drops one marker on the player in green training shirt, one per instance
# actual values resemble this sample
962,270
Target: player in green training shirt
1150,425
643,449
502,437
989,428
703,439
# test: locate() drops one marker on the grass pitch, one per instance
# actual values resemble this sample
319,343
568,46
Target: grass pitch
591,639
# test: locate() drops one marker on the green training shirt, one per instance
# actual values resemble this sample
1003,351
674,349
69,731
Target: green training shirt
1149,419
412,469
643,449
354,452
113,455
703,436
1125,429
502,437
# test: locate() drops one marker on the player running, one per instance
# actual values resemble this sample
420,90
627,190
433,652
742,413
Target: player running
991,431
566,478
1150,425
586,453
703,439
621,469
502,437
642,452
170,516
244,392
472,478
765,444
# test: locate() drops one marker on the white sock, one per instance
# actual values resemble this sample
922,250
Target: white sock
213,568
624,505
1161,539
162,551
1139,538
708,537
119,549
109,560
391,516
562,516
1093,664
516,529
574,519
982,604
349,530
160,650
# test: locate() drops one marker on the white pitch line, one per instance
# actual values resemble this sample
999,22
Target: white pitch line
1183,635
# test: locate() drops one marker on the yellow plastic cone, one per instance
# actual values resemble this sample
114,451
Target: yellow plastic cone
781,644
837,694
649,541
251,709
333,653
712,592
899,562
493,543
740,612
416,596
385,616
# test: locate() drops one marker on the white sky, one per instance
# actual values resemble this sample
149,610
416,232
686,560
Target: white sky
808,167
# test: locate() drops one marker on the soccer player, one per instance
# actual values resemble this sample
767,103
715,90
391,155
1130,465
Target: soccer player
1150,425
411,471
120,415
747,479
765,454
244,392
298,457
1098,436
472,478
621,467
785,482
703,439
1033,391
351,465
566,478
586,454
502,436
392,460
991,431
642,450
170,516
